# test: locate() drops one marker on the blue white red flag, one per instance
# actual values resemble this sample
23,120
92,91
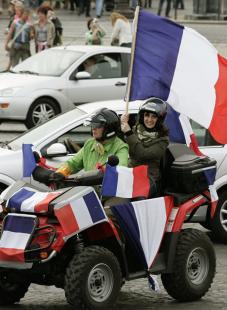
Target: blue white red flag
143,223
29,163
180,130
30,200
82,211
126,182
177,64
17,230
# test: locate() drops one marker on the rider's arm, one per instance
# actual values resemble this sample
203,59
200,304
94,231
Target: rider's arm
73,165
140,151
122,154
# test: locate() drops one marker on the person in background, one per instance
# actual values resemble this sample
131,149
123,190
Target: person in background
168,7
179,3
44,30
99,8
122,34
148,140
57,27
85,5
20,32
95,34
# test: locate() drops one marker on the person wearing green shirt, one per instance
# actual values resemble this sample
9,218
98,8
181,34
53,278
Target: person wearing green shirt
95,33
105,124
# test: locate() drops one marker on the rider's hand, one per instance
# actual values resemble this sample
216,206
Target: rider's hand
56,177
124,123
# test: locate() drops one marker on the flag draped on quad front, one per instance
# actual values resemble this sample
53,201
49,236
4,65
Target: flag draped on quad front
181,66
17,231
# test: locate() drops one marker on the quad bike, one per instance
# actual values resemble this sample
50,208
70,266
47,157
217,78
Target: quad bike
92,264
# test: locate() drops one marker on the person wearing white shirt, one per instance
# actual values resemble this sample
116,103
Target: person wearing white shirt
122,33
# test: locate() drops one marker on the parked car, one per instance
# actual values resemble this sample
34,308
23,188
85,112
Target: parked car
61,136
59,78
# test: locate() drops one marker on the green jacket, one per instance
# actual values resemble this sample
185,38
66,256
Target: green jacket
88,157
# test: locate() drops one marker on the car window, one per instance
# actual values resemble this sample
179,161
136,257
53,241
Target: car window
50,62
77,136
103,66
203,135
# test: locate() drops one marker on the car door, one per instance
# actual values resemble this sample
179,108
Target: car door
108,83
210,147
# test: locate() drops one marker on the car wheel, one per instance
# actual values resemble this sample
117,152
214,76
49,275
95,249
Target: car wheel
193,268
40,111
218,223
93,279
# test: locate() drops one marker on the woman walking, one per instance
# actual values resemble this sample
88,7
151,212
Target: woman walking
122,33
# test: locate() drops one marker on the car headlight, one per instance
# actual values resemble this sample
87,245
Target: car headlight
9,91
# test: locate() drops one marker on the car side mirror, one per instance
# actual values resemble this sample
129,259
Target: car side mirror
82,75
56,150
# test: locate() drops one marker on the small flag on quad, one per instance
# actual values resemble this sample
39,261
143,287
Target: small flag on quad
126,182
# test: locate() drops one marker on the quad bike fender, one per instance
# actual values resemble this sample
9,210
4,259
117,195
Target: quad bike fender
184,209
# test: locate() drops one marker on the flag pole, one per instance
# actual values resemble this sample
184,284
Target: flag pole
128,89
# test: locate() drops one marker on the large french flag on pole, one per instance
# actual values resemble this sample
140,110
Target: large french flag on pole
126,182
16,233
177,64
180,130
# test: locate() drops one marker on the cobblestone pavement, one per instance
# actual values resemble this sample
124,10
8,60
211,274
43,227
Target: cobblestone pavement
136,294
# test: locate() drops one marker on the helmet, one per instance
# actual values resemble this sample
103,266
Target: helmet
109,120
153,105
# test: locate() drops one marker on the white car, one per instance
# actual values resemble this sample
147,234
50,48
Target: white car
59,78
61,136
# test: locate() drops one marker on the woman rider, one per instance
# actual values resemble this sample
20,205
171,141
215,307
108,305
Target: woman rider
148,140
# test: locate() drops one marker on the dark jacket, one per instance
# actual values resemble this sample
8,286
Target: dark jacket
149,153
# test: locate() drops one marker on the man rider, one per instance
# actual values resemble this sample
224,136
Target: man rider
105,124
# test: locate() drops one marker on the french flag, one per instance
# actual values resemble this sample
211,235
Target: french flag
180,130
144,223
82,211
17,230
31,201
177,64
29,163
126,182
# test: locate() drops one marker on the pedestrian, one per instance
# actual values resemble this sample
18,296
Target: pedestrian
99,8
168,7
85,6
148,140
12,13
57,27
95,33
179,3
44,30
18,39
122,34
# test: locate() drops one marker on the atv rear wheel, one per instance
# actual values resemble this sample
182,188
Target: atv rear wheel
93,279
11,292
194,267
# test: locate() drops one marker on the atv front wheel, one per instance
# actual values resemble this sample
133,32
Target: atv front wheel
194,267
11,292
93,279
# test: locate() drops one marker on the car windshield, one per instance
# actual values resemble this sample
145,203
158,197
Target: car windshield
42,131
51,62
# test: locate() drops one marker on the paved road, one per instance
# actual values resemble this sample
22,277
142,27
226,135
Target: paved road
136,295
